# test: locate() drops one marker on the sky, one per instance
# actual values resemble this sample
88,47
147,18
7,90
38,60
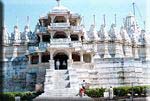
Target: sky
18,10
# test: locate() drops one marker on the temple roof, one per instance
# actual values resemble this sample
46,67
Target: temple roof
60,9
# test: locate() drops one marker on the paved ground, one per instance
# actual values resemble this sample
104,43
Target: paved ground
87,99
64,99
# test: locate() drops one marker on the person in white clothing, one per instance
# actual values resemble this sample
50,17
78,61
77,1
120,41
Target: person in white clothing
83,84
57,64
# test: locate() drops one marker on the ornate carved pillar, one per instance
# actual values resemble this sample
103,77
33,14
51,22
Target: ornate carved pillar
52,34
67,18
79,37
41,40
69,61
51,61
92,59
40,57
51,55
68,34
70,55
52,19
81,56
29,59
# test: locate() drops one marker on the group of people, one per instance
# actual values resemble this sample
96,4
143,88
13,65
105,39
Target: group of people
58,64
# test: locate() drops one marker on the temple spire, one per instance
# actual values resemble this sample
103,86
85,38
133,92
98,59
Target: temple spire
115,20
16,21
104,20
83,20
28,21
133,8
58,2
94,19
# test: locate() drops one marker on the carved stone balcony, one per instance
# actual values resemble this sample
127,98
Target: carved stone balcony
56,26
43,45
88,47
66,42
60,41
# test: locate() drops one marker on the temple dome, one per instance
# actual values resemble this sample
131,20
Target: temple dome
60,9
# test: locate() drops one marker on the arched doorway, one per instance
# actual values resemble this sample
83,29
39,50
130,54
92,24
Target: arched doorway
60,61
60,35
60,19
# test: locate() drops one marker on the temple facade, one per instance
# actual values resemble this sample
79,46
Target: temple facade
60,53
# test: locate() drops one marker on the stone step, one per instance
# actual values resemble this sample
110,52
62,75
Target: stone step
61,71
61,79
58,86
63,83
58,95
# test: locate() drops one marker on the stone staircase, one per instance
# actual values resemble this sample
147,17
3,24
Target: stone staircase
61,83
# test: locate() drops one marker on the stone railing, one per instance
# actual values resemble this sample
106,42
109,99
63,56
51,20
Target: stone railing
76,44
64,40
59,25
41,65
88,46
32,48
60,42
88,65
43,45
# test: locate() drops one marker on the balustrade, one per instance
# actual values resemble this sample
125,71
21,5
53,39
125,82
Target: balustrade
43,44
60,25
88,47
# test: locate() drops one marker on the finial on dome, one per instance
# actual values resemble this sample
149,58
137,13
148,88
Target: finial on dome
58,1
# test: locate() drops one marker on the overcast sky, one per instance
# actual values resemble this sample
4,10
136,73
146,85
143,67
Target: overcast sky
20,9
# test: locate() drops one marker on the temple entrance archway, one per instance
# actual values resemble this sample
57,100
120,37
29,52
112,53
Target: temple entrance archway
60,60
60,34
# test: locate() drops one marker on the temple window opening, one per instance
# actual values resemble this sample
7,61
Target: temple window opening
74,37
87,58
45,57
76,56
34,59
46,38
60,35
